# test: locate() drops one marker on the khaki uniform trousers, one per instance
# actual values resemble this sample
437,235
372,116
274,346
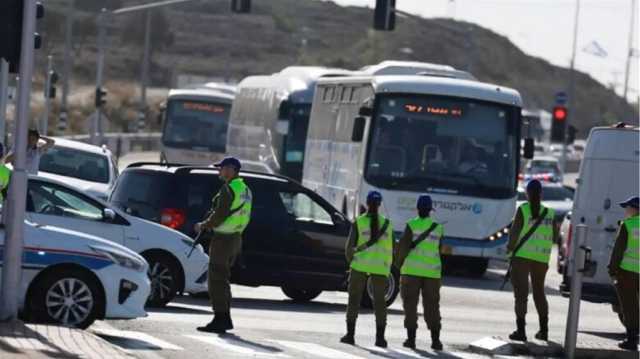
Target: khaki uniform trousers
627,289
522,269
410,289
357,287
223,250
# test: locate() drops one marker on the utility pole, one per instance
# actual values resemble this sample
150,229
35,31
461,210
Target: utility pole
572,89
96,126
4,97
630,52
14,234
44,122
67,67
144,78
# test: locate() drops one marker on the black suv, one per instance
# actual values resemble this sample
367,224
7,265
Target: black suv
295,239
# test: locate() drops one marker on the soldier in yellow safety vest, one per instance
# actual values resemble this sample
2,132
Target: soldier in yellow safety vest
369,251
5,177
228,218
532,234
421,269
624,268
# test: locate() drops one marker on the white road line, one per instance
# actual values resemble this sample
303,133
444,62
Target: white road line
137,339
402,352
316,349
236,346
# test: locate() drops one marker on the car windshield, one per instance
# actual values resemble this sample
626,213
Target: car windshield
196,125
443,144
556,194
70,162
543,167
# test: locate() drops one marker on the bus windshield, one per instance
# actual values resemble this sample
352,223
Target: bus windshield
443,145
196,125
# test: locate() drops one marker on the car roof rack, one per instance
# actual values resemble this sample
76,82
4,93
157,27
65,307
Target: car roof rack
182,168
160,164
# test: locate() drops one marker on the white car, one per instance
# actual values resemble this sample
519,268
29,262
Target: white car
73,279
89,168
171,269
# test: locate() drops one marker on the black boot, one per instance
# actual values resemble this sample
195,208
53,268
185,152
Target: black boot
228,323
436,344
543,333
380,341
349,338
411,339
520,334
212,324
631,343
220,324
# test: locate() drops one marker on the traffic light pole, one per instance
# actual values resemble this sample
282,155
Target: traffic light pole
66,76
145,71
4,97
14,234
44,122
96,126
572,90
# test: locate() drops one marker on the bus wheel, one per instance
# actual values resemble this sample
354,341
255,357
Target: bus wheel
478,267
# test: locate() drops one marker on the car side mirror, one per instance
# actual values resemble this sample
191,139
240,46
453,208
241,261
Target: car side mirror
358,129
338,219
529,148
108,214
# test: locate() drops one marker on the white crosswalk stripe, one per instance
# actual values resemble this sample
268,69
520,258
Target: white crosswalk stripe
317,350
394,353
236,346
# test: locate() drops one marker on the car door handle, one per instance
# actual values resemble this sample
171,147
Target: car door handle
133,238
611,229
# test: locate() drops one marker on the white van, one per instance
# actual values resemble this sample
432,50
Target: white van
608,176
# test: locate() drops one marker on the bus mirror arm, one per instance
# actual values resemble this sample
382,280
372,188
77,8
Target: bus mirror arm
529,148
358,129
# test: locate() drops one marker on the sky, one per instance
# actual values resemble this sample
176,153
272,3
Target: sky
544,28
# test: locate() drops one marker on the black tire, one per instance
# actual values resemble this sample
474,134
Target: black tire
164,276
393,288
77,286
300,295
478,267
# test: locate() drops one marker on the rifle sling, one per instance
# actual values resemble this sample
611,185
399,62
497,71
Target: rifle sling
531,231
373,240
424,235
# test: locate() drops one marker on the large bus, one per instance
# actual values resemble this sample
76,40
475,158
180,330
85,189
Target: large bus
269,119
454,138
195,122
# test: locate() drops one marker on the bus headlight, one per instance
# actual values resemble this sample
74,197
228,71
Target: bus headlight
499,234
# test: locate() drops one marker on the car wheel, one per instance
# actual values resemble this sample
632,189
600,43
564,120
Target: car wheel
299,294
391,290
69,298
163,274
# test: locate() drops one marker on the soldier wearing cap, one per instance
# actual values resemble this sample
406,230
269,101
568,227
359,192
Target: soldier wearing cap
418,258
227,220
5,176
624,267
369,252
533,231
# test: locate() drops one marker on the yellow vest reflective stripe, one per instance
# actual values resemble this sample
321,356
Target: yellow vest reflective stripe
424,260
5,176
376,259
240,209
631,259
538,246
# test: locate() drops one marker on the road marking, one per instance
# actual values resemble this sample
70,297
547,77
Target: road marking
393,353
316,349
136,340
237,346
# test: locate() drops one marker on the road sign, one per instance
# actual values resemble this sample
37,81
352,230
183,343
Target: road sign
561,97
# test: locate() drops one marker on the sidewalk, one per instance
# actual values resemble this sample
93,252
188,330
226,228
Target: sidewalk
20,340
590,345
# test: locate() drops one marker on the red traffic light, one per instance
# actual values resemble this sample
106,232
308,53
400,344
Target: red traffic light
559,113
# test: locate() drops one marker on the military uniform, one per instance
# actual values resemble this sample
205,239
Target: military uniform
531,260
624,266
229,216
421,269
373,262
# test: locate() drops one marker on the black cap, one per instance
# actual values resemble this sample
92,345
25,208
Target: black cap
424,203
34,132
632,202
229,161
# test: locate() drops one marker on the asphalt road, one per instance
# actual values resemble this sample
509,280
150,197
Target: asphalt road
269,325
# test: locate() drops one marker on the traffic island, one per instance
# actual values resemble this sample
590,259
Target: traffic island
589,347
35,341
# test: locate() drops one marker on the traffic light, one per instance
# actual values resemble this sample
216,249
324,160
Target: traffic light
101,95
241,6
384,17
53,79
11,31
559,117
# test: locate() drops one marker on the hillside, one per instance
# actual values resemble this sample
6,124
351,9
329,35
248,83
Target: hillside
204,38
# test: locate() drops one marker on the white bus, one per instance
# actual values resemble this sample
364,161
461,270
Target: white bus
269,119
451,137
195,122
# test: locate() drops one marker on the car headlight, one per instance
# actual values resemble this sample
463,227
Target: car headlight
121,258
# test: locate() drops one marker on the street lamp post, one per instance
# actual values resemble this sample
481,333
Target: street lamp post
572,90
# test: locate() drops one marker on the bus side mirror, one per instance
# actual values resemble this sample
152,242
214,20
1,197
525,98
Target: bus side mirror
358,129
284,110
528,148
365,111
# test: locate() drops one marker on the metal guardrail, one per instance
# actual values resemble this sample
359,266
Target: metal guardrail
122,143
